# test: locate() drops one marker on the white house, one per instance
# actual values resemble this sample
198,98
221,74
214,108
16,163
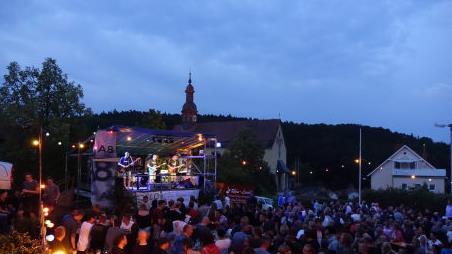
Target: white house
406,169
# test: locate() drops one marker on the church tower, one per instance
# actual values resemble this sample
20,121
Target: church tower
189,110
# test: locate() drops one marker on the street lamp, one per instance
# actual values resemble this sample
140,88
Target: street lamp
35,142
450,129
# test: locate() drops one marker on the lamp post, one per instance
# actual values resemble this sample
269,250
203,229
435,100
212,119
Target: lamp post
38,143
450,144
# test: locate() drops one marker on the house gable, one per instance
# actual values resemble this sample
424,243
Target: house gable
404,155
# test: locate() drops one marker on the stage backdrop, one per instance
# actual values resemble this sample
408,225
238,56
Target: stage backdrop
103,169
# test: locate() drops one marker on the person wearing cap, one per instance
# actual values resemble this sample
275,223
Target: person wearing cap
71,222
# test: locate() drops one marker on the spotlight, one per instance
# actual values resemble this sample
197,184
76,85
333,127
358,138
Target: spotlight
50,238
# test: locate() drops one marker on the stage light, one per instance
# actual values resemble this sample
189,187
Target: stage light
310,172
200,138
129,138
357,161
369,163
81,145
73,146
47,134
46,214
218,145
243,163
94,133
47,222
60,143
413,177
50,238
342,166
50,225
35,142
45,209
43,186
326,170
294,172
59,252
91,140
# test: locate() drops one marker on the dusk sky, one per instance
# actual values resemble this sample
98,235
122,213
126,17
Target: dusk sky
379,63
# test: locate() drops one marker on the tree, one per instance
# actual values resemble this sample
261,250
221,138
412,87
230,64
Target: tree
243,164
153,119
31,98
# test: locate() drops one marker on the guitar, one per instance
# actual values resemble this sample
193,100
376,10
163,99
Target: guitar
173,170
123,168
154,168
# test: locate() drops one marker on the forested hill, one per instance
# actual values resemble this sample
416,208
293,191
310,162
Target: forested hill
328,151
335,147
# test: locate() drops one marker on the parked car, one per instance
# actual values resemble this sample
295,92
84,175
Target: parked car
266,202
6,175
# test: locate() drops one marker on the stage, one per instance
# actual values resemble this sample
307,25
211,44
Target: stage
181,155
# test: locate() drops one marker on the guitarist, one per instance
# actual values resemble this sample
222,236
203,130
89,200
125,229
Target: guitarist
153,167
174,166
124,163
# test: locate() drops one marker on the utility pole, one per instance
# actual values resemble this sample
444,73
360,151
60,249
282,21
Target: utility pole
360,164
450,150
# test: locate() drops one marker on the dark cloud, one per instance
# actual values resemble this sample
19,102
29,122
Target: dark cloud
383,63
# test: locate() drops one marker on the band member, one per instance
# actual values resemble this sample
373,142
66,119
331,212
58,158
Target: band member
152,166
124,163
175,165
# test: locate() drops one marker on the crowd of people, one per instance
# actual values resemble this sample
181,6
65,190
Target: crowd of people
221,227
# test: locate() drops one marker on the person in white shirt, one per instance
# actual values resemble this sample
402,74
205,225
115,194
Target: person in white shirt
84,238
126,223
223,243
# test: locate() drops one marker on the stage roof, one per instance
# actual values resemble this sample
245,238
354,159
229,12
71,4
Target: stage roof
141,141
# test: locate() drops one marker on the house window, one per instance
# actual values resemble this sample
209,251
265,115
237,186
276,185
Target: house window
404,165
417,186
431,187
404,186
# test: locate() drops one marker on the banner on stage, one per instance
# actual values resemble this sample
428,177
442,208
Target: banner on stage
167,195
103,169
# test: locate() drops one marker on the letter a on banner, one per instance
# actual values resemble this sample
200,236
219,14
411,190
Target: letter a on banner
104,165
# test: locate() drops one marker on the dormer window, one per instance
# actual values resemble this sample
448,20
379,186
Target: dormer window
404,165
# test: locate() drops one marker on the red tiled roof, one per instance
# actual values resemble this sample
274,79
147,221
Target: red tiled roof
226,131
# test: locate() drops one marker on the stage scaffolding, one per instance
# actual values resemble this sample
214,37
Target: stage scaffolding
96,157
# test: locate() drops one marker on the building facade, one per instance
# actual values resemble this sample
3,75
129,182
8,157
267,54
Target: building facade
405,169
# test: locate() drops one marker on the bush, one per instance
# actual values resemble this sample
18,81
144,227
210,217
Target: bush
19,243
419,199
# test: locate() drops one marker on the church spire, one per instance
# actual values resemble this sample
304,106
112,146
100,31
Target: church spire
189,110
